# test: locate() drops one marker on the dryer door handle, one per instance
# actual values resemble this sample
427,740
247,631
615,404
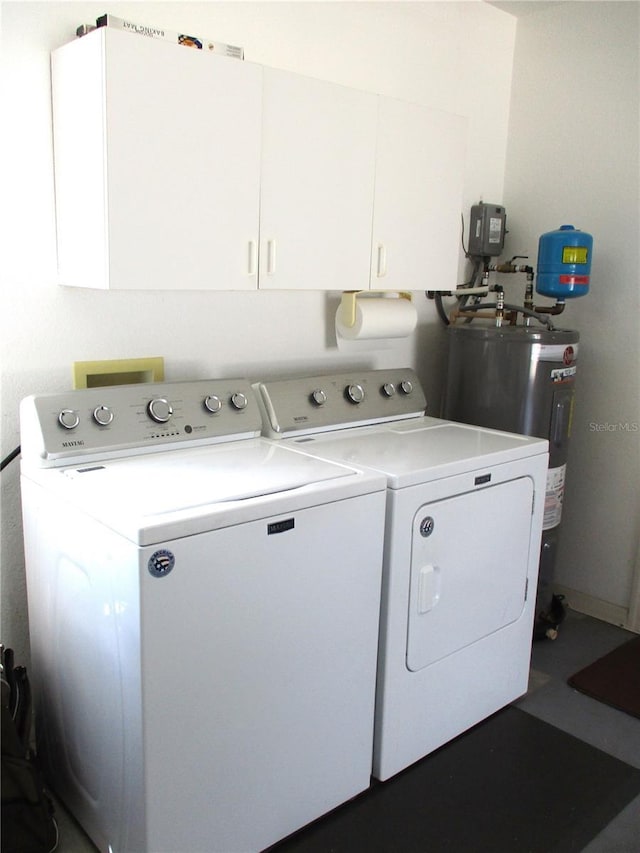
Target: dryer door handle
428,588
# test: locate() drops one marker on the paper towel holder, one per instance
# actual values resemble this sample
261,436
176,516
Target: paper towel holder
349,297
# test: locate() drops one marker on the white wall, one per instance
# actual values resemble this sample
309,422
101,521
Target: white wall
444,54
572,158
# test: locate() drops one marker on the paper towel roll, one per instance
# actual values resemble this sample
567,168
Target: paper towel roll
378,318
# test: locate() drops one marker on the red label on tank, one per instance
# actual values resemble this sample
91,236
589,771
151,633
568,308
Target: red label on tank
568,355
573,279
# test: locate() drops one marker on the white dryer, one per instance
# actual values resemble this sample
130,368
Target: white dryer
203,611
463,527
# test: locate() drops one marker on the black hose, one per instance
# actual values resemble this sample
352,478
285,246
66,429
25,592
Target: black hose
440,308
9,458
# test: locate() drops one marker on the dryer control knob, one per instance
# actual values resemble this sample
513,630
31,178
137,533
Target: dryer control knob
239,400
68,419
318,397
103,415
159,410
406,386
388,389
212,404
355,393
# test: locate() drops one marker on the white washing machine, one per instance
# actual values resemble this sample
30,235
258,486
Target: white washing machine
203,611
463,527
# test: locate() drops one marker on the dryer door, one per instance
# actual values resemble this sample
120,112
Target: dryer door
469,561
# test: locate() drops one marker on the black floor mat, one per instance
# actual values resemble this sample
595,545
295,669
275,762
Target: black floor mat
511,784
614,679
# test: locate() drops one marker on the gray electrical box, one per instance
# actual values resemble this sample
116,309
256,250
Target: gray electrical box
487,229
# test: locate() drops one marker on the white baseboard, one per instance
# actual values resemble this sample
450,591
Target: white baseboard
614,614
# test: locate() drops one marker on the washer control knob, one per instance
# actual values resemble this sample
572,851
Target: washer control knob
406,386
68,419
355,393
318,397
102,415
239,400
212,404
388,389
159,410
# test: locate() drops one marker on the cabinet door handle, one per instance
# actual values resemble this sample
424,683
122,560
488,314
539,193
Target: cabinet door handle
271,257
251,257
382,260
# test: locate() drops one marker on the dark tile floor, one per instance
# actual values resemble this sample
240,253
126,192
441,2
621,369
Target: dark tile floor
581,641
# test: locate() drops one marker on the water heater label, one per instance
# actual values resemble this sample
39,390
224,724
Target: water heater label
562,374
555,352
554,497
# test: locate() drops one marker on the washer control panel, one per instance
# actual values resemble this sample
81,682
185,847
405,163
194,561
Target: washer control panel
336,400
57,428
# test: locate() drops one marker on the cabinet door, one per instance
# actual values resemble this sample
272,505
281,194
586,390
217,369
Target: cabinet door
317,184
177,144
418,197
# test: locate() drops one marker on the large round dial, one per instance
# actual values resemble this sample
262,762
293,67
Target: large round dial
355,393
318,397
102,415
159,410
68,419
212,403
239,400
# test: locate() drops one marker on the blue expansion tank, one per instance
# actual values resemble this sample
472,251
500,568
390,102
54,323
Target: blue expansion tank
564,263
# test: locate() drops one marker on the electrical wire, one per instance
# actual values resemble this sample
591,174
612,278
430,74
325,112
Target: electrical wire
8,459
464,248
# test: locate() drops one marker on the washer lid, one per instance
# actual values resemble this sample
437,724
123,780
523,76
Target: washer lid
423,449
163,482
182,492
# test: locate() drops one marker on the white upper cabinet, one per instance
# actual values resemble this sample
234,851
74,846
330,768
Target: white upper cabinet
178,169
418,197
318,162
157,160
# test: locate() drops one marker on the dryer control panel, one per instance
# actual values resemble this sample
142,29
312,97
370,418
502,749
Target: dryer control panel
58,429
339,400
